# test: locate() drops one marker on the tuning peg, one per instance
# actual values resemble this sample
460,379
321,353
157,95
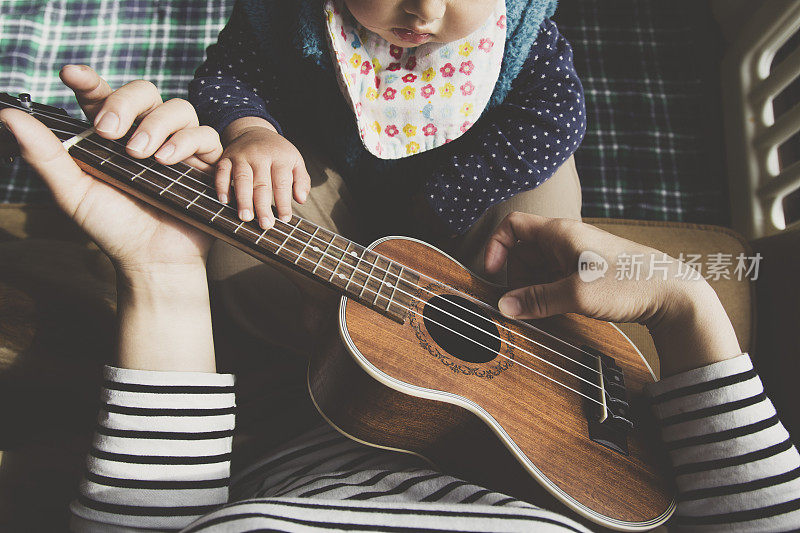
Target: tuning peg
25,100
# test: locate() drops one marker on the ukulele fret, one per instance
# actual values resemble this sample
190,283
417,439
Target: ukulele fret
394,289
323,254
583,427
369,277
380,286
355,269
335,267
218,213
193,201
338,264
183,175
350,269
305,247
288,237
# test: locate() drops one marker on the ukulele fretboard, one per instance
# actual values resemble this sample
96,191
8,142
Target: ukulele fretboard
333,260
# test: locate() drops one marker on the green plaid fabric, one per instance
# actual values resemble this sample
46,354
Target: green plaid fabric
162,41
647,152
653,145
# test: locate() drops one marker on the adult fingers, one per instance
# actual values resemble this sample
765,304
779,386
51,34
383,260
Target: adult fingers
90,89
302,182
202,142
282,180
222,179
540,301
514,228
45,153
243,189
122,107
262,196
199,164
166,119
557,238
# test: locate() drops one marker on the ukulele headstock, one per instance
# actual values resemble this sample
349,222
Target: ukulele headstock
24,103
47,115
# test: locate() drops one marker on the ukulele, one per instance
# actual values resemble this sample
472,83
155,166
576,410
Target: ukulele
550,411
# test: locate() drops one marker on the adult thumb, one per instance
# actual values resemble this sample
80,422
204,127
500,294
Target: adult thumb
540,301
46,155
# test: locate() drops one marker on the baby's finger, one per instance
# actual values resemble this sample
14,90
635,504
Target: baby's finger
222,179
125,105
302,183
282,190
262,196
202,141
170,117
243,189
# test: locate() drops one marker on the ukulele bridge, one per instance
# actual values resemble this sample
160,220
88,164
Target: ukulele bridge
609,419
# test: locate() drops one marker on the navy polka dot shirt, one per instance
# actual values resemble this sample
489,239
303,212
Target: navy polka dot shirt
514,146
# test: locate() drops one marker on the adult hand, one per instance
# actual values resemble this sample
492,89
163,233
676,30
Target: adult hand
137,237
543,253
683,313
162,293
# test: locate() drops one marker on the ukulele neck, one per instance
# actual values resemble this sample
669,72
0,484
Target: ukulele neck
337,262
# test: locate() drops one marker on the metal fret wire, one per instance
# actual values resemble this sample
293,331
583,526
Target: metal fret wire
339,261
411,310
331,243
469,297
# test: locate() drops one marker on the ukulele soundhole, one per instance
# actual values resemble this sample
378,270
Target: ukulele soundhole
461,328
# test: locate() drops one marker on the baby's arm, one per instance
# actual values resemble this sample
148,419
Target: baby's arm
517,145
231,92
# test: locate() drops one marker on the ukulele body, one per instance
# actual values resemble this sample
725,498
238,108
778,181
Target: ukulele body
494,422
515,415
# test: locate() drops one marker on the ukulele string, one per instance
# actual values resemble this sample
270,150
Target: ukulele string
356,269
379,269
80,123
377,292
84,124
409,309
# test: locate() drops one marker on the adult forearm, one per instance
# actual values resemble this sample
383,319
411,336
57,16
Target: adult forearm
692,329
165,320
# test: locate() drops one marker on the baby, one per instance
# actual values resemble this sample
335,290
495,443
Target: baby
465,104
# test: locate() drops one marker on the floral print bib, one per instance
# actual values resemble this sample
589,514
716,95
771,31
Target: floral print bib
409,100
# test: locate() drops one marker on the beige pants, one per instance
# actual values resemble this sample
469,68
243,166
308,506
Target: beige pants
256,300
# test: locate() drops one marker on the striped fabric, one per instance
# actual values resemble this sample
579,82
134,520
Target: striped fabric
735,466
161,454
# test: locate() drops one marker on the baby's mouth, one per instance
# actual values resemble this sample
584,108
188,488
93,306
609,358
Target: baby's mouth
410,36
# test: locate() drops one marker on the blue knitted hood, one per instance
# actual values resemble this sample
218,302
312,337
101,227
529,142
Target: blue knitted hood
269,17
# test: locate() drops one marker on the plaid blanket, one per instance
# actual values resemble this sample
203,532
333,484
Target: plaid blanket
646,155
158,40
653,146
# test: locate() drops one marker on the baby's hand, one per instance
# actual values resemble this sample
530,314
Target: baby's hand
263,165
